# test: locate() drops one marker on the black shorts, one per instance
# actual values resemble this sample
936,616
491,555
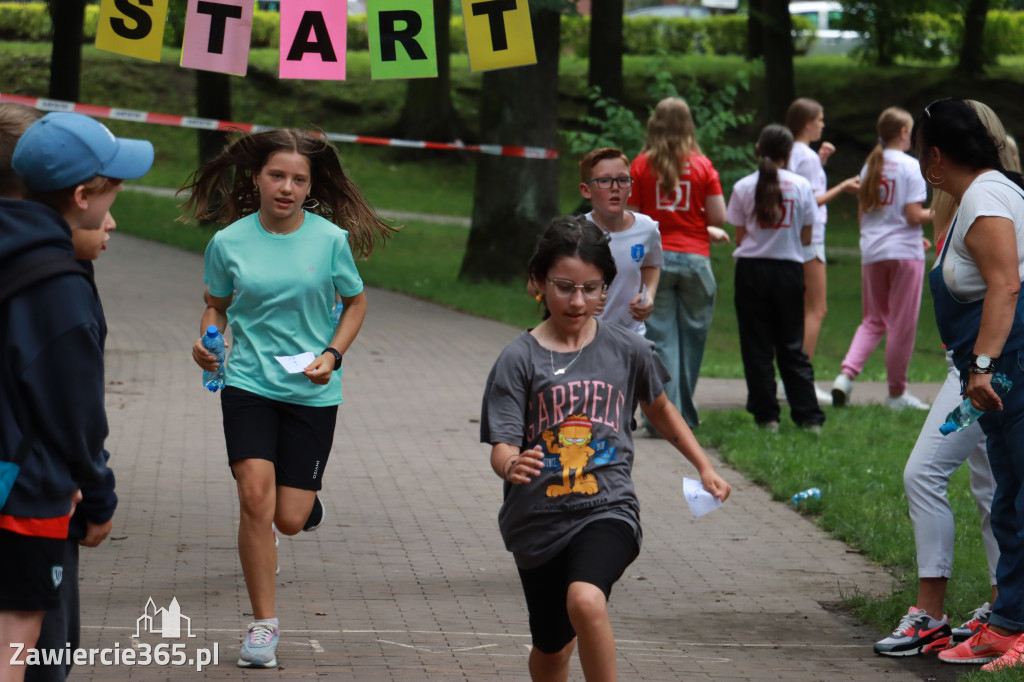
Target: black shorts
296,438
598,554
31,572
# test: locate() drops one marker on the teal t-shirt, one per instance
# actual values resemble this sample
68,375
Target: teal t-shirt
283,288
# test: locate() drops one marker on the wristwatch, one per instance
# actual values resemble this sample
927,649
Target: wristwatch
337,357
981,364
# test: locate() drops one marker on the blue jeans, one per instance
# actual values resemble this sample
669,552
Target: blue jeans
679,324
1005,431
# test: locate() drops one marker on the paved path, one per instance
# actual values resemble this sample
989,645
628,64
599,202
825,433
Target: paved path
408,579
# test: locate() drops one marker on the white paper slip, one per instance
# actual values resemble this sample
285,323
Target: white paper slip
700,501
295,363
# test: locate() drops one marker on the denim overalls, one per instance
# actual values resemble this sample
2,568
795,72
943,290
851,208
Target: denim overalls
958,324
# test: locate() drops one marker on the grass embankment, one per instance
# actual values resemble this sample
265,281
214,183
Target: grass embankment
859,459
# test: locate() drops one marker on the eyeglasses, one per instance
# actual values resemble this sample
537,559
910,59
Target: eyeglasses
565,288
606,183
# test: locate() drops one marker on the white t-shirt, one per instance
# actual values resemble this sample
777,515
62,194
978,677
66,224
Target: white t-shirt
991,194
635,248
806,163
781,241
885,233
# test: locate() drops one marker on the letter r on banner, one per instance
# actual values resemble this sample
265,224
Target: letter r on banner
132,27
313,35
217,34
499,34
401,38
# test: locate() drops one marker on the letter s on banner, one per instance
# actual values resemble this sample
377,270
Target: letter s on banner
402,39
134,28
313,35
499,34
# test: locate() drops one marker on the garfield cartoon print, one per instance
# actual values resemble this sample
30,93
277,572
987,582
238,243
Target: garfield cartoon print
556,412
574,451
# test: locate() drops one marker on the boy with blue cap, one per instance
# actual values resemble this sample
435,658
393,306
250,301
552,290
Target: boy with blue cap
52,419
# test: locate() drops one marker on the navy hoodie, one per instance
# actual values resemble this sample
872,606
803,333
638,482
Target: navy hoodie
51,376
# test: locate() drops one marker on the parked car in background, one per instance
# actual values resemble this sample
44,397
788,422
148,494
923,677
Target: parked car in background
689,11
827,17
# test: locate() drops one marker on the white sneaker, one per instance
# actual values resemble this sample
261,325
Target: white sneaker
841,389
906,400
824,397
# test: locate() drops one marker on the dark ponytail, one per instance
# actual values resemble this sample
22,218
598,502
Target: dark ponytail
773,146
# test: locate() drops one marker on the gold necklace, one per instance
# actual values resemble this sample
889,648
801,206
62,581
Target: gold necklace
259,217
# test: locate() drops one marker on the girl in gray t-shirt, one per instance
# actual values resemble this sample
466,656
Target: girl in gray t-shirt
557,410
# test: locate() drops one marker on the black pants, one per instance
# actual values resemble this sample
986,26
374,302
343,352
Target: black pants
770,316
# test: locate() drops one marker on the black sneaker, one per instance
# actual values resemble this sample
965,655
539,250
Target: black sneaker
917,633
316,516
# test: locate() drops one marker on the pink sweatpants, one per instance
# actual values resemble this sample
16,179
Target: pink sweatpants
891,293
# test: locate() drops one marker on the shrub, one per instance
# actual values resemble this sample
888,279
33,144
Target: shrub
725,34
29,22
575,35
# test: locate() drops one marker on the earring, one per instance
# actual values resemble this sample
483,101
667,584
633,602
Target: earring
935,177
539,297
309,207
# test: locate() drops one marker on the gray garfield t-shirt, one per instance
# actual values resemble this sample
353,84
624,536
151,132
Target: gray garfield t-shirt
581,419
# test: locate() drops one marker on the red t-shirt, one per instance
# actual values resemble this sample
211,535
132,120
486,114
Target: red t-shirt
681,218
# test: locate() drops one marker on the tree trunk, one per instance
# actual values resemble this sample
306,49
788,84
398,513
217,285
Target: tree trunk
213,100
428,113
755,29
972,58
606,48
778,59
68,18
515,198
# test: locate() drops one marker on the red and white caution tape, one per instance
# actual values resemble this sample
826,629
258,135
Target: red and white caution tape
116,114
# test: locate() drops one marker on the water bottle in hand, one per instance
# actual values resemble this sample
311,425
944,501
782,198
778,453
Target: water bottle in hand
966,413
339,307
213,341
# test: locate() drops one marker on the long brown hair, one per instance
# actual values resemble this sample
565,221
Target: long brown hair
671,138
773,146
223,189
891,123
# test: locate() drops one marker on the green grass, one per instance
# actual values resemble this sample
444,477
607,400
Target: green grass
858,465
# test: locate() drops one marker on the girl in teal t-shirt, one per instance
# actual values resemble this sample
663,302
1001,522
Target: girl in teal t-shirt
274,275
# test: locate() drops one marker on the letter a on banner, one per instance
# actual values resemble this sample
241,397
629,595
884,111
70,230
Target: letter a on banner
217,36
498,34
313,34
132,27
401,38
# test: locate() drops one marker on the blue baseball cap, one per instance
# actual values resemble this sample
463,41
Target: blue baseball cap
62,149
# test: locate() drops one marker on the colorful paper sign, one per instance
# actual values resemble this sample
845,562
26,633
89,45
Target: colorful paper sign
499,34
401,36
313,35
132,27
217,34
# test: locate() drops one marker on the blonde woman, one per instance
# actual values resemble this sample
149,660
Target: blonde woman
677,186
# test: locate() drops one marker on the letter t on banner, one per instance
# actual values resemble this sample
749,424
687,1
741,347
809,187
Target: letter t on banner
499,34
313,34
401,38
132,27
217,36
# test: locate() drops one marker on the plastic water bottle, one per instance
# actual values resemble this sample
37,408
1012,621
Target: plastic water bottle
804,494
213,341
966,414
336,313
